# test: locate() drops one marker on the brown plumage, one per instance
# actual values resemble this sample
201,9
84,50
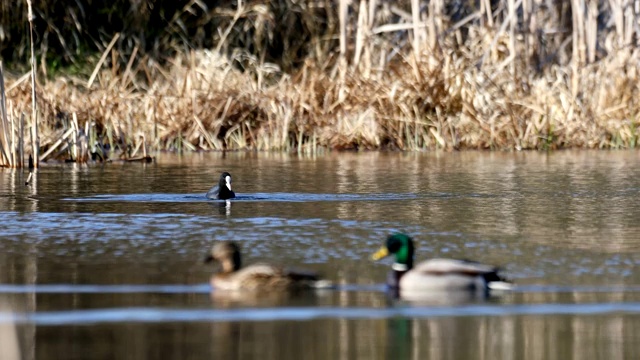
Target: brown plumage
256,277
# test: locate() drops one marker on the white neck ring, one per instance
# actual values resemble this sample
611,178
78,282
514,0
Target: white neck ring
399,267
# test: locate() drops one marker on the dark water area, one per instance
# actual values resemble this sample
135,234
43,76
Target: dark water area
105,261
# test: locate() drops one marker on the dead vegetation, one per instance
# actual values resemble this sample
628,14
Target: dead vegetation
503,75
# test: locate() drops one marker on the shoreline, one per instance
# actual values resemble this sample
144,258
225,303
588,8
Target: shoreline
472,87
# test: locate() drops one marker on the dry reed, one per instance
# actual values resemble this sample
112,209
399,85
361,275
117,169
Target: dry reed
35,138
500,76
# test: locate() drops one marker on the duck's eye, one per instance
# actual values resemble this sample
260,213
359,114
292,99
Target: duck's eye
393,245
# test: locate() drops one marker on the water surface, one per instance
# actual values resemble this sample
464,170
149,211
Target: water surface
105,261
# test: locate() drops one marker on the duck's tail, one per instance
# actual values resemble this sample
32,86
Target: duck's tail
322,284
497,282
310,279
302,275
500,285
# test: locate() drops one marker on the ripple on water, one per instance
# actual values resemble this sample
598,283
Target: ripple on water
157,315
269,197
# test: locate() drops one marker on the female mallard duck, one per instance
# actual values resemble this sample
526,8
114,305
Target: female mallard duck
435,274
254,277
222,191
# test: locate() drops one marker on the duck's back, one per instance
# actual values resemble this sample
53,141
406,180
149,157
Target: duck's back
213,192
261,277
444,266
447,275
220,193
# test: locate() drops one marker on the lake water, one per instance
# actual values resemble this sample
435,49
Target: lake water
106,261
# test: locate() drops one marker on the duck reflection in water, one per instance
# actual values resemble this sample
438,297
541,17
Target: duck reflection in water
224,207
437,281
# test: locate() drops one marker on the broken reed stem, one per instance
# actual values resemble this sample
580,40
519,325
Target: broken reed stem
56,144
35,140
102,59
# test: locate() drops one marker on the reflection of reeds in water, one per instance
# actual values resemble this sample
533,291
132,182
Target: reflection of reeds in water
9,347
411,75
9,343
457,337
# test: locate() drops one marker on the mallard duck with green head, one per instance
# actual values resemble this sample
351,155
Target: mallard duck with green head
435,274
255,277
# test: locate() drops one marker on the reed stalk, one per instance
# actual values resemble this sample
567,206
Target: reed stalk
106,53
14,161
343,13
35,140
21,142
6,133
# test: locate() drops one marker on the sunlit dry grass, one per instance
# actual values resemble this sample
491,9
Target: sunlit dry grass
481,82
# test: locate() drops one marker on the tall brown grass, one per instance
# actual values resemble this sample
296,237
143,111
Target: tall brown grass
505,75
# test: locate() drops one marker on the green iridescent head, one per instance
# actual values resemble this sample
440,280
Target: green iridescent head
400,245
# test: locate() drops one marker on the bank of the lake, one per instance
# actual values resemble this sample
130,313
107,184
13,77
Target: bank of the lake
382,76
